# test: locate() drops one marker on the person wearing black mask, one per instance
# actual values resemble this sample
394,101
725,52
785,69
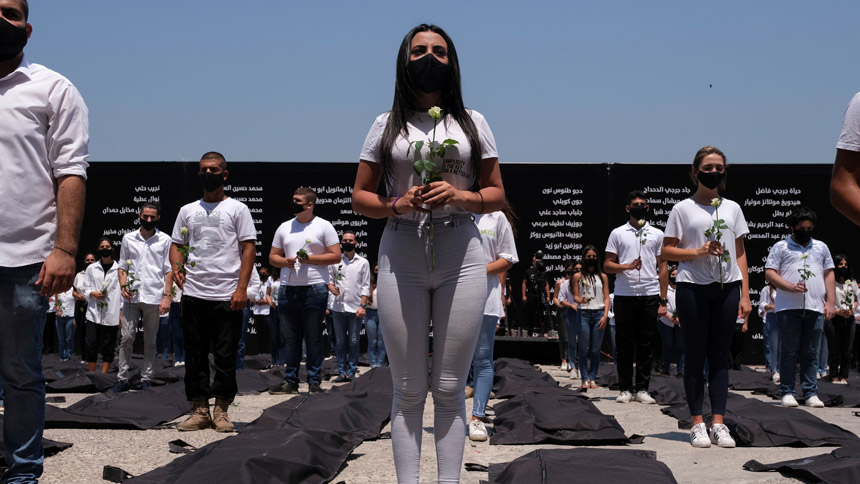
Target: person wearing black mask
535,294
146,281
840,333
214,278
303,248
350,285
712,289
79,293
43,158
103,309
633,255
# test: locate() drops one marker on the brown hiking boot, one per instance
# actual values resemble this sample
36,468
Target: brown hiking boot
220,419
199,419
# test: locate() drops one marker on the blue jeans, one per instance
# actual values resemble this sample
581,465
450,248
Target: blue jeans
276,338
22,318
771,341
800,338
240,349
673,346
572,325
482,365
347,330
163,337
176,333
301,310
590,339
375,345
66,335
822,354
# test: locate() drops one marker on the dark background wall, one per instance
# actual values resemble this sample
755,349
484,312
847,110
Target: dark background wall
561,207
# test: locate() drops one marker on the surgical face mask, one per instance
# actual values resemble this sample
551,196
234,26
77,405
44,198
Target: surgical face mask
802,237
211,181
710,180
638,212
429,74
347,246
12,40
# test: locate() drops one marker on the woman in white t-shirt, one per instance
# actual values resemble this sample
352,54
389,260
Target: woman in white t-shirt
840,339
712,288
591,293
431,264
571,320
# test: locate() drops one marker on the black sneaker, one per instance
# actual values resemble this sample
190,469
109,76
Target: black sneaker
284,388
341,379
144,384
120,386
315,388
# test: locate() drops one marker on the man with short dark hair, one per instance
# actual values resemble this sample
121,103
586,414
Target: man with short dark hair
535,293
350,285
43,161
304,247
212,256
146,280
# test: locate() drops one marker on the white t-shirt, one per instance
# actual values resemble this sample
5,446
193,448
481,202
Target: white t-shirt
497,239
457,163
671,307
371,303
849,139
846,295
591,289
628,244
65,302
786,257
688,222
215,230
354,283
150,262
257,290
45,136
315,237
106,311
274,287
565,294
765,298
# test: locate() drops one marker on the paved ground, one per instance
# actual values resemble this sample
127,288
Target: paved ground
140,451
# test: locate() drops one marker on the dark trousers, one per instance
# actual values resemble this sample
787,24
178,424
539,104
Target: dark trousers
562,332
208,324
301,309
535,315
708,316
81,326
635,328
100,339
840,341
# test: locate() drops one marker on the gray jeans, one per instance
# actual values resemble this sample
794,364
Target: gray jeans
131,313
411,294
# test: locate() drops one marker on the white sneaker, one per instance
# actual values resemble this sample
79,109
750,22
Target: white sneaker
814,402
564,366
775,378
699,436
643,397
477,431
574,374
721,436
624,397
788,400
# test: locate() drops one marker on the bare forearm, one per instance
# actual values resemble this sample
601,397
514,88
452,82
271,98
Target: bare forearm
71,196
679,255
175,256
498,266
773,277
249,255
326,259
844,188
372,205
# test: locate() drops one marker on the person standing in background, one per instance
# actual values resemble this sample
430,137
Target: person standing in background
770,331
350,286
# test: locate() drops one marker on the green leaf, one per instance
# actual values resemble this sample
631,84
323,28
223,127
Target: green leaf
418,166
719,222
449,141
724,226
429,166
418,146
442,152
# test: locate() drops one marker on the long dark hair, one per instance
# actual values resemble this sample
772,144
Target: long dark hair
404,106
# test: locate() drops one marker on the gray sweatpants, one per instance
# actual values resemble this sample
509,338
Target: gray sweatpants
131,313
410,295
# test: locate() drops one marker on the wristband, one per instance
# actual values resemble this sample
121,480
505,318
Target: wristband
65,250
394,206
664,302
482,201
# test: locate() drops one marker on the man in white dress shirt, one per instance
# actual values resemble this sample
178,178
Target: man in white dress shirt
350,285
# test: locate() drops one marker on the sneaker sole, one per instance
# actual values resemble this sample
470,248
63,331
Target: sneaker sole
478,438
701,446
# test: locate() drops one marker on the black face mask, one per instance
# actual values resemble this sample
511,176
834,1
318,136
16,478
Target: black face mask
843,273
802,237
638,213
711,179
591,263
105,252
147,224
347,246
428,74
264,276
12,40
296,208
211,181
540,267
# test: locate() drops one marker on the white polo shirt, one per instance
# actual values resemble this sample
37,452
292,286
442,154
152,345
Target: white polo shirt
106,313
497,239
45,136
215,230
293,236
150,262
786,257
629,243
354,284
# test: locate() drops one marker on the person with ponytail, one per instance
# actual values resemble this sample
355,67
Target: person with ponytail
591,293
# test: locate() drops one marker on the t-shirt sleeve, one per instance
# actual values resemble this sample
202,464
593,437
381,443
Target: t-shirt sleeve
773,257
365,279
673,225
827,260
849,138
485,134
740,227
123,253
329,234
245,229
177,237
278,239
506,246
659,239
370,149
612,243
68,133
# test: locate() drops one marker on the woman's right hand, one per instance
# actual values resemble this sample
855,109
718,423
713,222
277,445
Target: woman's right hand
711,247
98,295
411,201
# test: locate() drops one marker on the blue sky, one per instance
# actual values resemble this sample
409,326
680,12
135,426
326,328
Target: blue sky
559,81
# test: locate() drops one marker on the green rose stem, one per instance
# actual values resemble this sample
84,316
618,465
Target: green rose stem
716,231
805,274
643,238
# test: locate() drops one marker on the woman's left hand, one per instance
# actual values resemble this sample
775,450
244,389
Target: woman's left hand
745,307
602,324
440,193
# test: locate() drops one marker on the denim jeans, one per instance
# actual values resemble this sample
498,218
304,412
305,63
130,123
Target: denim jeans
347,330
673,346
771,341
614,346
375,345
329,330
176,333
482,365
240,349
277,338
800,337
162,341
822,355
301,310
572,325
22,316
66,336
590,339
